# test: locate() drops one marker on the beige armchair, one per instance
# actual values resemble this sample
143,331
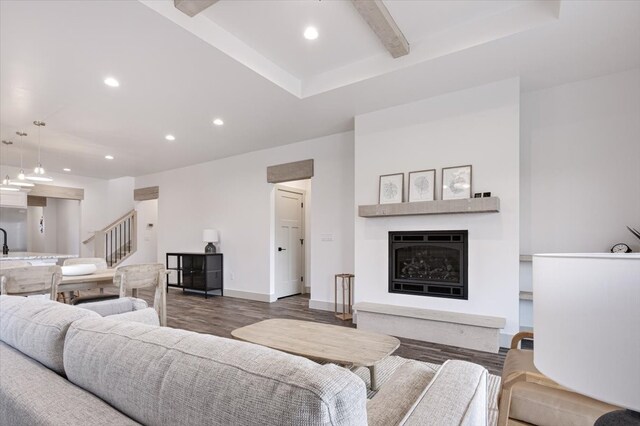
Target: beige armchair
152,276
30,280
529,397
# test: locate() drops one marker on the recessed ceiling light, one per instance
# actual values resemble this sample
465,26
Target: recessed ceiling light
170,138
66,169
109,157
111,82
311,33
218,122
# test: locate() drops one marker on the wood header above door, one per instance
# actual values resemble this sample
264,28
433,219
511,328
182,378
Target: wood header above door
35,201
53,191
148,193
290,171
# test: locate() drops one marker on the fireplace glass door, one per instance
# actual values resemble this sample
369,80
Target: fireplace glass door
437,263
428,263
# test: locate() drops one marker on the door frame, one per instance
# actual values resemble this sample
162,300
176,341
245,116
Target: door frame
274,224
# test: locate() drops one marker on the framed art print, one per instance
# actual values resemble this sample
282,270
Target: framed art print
391,189
422,185
456,182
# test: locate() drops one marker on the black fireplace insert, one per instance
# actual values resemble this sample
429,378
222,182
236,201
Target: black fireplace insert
429,263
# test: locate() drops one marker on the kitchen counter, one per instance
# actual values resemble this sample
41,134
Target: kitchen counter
36,257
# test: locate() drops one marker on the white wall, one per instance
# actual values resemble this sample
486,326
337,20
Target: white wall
119,197
479,126
42,242
61,227
147,234
104,200
68,224
14,222
580,165
233,196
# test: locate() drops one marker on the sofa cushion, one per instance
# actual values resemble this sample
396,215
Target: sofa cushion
399,393
115,306
145,316
37,328
31,394
457,395
160,375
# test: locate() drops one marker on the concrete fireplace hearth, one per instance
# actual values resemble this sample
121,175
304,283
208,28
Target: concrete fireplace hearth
479,332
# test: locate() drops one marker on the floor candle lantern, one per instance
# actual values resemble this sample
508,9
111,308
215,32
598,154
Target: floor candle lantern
345,283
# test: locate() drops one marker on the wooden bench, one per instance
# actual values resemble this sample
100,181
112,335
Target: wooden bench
479,332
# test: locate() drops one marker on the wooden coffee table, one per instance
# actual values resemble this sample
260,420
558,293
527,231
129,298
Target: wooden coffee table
322,342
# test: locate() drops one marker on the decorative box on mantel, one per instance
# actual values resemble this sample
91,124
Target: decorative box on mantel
467,205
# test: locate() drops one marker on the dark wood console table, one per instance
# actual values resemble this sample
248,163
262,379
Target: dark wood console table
201,272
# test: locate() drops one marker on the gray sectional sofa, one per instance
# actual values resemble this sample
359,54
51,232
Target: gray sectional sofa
64,365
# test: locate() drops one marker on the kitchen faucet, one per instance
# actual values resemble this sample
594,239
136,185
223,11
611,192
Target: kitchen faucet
5,248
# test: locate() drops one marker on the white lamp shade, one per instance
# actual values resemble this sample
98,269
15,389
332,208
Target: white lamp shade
586,313
210,236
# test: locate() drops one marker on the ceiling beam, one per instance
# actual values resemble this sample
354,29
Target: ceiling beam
382,23
192,7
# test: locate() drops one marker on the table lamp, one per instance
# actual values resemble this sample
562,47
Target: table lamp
586,319
210,236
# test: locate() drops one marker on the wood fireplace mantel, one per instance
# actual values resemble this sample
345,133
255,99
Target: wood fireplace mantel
467,205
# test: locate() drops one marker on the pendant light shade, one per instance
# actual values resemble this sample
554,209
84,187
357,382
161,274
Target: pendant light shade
38,174
21,181
21,175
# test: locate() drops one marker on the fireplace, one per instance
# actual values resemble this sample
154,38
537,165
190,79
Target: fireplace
428,263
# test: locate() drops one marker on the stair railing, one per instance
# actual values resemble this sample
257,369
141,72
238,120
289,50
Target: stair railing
117,241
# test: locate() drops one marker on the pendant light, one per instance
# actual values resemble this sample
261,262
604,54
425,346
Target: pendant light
21,181
5,182
38,174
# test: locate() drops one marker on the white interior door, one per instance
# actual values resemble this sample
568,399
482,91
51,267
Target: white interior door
289,242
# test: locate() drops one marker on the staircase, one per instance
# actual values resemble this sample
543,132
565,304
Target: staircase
117,241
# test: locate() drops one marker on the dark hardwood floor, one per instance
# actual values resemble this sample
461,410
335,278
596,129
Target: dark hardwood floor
220,315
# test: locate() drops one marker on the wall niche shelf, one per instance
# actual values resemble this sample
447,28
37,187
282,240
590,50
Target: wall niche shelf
467,205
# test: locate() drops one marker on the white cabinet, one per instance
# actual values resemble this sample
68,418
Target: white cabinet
16,199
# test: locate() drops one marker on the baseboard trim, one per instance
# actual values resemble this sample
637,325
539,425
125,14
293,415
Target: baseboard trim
321,305
260,297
